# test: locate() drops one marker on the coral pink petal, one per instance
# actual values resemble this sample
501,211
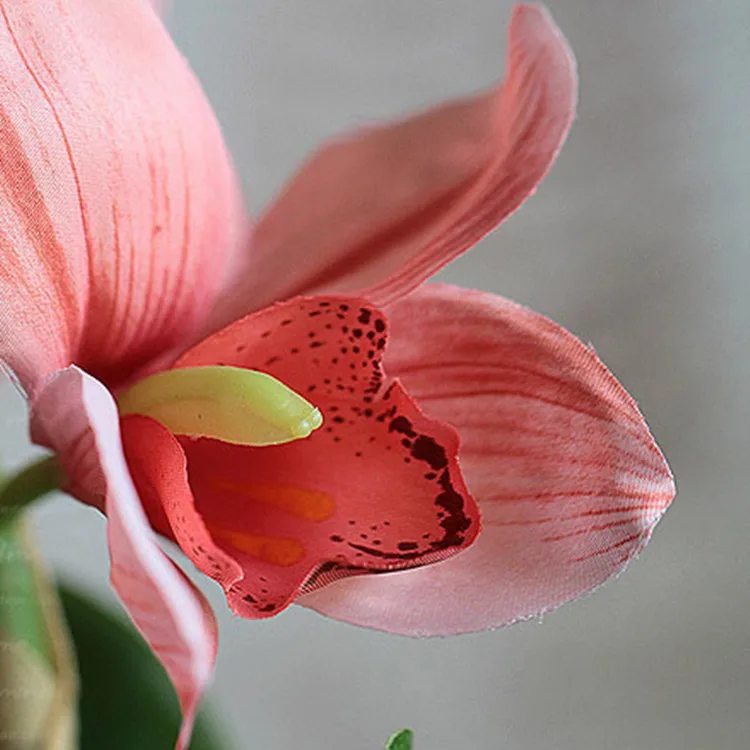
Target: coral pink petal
76,416
568,479
158,466
377,488
379,212
119,203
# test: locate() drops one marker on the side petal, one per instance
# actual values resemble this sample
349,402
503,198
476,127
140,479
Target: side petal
568,478
379,212
76,416
158,466
376,488
118,199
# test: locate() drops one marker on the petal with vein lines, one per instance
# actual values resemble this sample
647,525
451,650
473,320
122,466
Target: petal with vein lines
378,212
118,199
568,478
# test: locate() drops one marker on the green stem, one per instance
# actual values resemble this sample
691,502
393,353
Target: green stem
29,484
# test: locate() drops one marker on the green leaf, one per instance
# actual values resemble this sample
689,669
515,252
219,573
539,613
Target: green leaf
126,699
402,740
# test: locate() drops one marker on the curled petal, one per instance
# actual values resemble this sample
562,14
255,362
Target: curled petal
75,415
379,212
158,466
376,488
118,200
569,481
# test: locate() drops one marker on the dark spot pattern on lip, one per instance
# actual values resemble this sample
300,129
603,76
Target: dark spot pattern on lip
392,456
403,426
450,504
365,314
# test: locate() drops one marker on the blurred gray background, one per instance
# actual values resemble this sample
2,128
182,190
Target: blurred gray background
638,242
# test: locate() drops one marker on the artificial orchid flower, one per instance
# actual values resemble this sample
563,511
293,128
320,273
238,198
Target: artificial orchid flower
180,371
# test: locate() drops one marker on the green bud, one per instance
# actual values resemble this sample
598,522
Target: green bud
401,740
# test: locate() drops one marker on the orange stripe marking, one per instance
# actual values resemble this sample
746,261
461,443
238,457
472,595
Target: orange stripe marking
312,505
277,550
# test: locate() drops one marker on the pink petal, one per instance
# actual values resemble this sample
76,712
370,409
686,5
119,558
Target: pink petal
376,488
569,481
379,212
158,466
76,416
119,203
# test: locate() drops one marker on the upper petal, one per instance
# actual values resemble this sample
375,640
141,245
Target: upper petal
379,212
569,481
118,200
75,415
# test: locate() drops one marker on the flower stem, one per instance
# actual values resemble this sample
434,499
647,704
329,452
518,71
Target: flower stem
31,483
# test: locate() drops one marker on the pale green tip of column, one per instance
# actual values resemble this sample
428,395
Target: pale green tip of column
231,404
308,425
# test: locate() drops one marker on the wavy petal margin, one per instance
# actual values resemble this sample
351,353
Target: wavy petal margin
76,416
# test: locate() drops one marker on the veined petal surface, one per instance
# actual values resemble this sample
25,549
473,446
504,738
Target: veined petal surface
567,476
118,201
378,212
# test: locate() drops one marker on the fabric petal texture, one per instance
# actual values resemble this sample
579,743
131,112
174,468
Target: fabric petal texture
158,466
124,243
377,488
378,212
75,416
118,199
569,481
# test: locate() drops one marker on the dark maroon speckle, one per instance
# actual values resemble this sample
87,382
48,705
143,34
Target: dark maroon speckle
407,546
